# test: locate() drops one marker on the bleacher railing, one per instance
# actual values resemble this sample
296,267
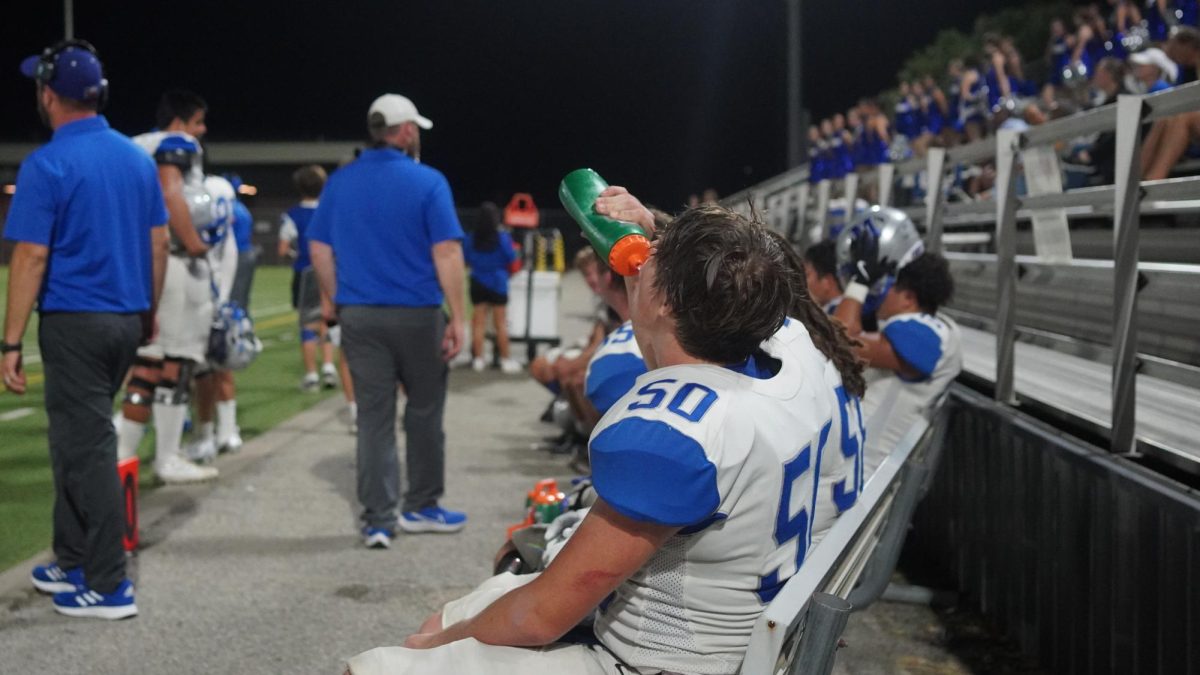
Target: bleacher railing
786,202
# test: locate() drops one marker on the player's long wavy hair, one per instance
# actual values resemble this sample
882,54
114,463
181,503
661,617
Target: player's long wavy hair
828,335
727,283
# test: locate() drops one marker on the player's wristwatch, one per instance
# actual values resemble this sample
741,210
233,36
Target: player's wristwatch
6,347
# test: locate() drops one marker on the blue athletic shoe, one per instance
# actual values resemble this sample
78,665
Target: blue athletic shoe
54,579
85,602
377,537
433,519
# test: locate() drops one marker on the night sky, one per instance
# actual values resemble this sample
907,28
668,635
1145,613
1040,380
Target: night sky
664,96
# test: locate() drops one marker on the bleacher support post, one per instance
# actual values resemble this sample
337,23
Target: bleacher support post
887,178
879,570
850,192
822,223
1126,209
827,615
935,179
798,228
1007,145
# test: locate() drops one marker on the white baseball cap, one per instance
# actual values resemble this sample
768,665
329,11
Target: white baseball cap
1157,57
397,109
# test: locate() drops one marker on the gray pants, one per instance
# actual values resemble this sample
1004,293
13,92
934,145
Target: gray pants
85,358
386,346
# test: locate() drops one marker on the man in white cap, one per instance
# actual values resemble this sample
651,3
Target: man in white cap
1153,70
386,245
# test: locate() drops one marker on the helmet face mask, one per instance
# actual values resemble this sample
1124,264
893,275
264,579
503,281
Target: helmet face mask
897,243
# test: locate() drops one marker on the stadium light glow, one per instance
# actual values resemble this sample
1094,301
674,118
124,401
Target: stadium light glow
248,190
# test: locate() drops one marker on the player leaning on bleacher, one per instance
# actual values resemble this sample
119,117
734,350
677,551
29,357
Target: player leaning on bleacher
706,477
917,351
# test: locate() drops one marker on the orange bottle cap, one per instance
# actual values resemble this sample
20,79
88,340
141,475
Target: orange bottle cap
628,254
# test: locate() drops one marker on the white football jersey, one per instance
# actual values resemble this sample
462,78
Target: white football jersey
841,476
614,368
932,346
733,460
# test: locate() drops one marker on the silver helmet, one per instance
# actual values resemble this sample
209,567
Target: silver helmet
897,242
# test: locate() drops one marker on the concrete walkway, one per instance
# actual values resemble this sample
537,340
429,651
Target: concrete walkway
263,571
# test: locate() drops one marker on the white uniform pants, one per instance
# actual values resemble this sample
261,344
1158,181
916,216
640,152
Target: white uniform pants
184,312
472,656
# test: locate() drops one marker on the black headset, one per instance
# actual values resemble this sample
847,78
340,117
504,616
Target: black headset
46,67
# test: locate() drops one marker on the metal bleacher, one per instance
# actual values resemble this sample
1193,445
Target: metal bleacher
1108,345
1044,513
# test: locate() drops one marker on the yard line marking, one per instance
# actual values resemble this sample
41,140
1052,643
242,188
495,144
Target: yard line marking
16,414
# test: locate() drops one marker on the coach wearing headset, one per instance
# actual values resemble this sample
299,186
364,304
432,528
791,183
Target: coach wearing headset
91,245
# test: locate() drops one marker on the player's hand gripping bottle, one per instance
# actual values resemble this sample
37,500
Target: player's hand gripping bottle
623,245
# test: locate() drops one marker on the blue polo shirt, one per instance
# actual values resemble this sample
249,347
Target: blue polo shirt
91,196
382,214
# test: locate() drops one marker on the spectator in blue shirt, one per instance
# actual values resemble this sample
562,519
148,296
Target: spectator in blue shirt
387,247
88,220
489,253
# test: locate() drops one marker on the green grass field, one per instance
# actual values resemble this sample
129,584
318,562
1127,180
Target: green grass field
268,393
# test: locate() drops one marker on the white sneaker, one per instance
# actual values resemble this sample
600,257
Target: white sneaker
510,367
478,364
310,382
179,470
203,450
329,376
233,444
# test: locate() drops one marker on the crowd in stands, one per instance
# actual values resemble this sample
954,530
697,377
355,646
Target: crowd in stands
1138,48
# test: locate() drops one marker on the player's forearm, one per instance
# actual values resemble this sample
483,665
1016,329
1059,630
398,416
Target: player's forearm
160,248
324,266
448,260
849,312
25,273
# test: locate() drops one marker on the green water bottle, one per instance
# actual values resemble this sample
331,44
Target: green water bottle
622,245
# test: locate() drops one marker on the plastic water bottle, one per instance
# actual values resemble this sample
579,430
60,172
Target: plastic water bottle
622,245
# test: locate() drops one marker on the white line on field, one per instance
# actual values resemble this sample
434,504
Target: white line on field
16,414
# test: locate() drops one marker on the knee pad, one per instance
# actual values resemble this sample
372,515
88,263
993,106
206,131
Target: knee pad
142,382
176,392
308,335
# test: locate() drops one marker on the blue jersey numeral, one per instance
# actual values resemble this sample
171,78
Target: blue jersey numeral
794,527
656,393
846,491
621,335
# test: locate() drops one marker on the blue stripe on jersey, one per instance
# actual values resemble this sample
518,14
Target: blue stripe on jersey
177,144
611,377
916,344
649,471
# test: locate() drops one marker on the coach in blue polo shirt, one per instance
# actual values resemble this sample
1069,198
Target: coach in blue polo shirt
386,244
89,224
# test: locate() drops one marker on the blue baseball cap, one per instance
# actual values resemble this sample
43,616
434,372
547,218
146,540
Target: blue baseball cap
73,72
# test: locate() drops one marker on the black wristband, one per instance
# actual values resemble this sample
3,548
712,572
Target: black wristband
6,347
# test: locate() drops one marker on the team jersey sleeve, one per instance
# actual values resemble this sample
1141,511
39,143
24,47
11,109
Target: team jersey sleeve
610,377
32,211
320,228
651,472
287,228
176,151
441,220
916,343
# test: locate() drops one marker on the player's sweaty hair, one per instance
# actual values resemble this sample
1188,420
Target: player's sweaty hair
928,277
727,283
828,335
